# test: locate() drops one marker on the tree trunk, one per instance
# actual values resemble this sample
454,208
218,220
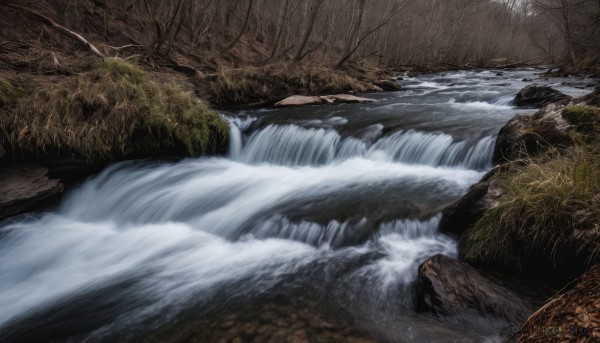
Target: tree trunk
281,25
230,45
308,29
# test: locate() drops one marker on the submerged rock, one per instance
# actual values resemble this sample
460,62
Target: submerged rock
23,186
538,96
570,316
449,287
527,135
300,100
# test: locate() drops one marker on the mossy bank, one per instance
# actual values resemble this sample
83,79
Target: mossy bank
112,111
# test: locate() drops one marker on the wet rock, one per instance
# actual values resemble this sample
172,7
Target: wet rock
466,211
573,315
23,186
450,287
538,96
388,85
527,135
300,100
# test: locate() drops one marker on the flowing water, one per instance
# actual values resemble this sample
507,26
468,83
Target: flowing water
318,215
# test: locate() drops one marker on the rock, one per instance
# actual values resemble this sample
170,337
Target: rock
300,100
499,73
373,88
573,315
388,85
346,98
466,211
527,80
527,135
592,99
538,96
522,137
23,186
448,287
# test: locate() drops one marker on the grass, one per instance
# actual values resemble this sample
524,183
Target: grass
10,91
545,205
256,84
112,111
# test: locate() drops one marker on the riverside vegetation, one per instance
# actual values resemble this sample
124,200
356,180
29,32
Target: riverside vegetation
113,111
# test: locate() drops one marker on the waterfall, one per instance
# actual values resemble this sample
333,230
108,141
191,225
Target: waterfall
291,145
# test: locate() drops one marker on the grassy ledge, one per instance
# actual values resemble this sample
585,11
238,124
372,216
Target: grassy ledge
549,211
112,111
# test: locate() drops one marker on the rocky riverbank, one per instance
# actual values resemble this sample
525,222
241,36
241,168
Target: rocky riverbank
536,214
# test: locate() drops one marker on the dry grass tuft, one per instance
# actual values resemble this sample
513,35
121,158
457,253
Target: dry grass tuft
549,212
111,111
10,91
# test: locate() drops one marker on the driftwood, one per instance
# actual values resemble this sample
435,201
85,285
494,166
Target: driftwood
57,26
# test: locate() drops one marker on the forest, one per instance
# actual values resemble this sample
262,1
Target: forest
333,32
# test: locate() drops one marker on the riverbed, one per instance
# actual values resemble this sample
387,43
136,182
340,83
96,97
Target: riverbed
313,226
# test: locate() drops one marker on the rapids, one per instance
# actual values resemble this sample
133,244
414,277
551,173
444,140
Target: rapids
335,205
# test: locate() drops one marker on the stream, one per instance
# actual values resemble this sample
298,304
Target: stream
313,226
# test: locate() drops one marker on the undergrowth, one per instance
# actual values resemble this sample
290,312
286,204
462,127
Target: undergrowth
247,85
113,110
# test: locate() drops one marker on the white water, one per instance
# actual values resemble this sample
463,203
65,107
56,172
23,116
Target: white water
193,226
296,204
291,145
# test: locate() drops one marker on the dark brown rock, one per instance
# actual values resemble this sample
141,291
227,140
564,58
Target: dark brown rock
449,287
23,186
538,96
528,135
466,211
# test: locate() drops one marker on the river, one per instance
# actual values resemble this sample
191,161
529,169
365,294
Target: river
314,225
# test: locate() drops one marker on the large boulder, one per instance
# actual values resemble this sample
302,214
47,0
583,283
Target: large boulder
450,287
538,96
23,186
527,135
573,315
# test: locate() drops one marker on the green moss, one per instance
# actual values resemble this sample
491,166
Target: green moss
10,91
541,207
112,111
